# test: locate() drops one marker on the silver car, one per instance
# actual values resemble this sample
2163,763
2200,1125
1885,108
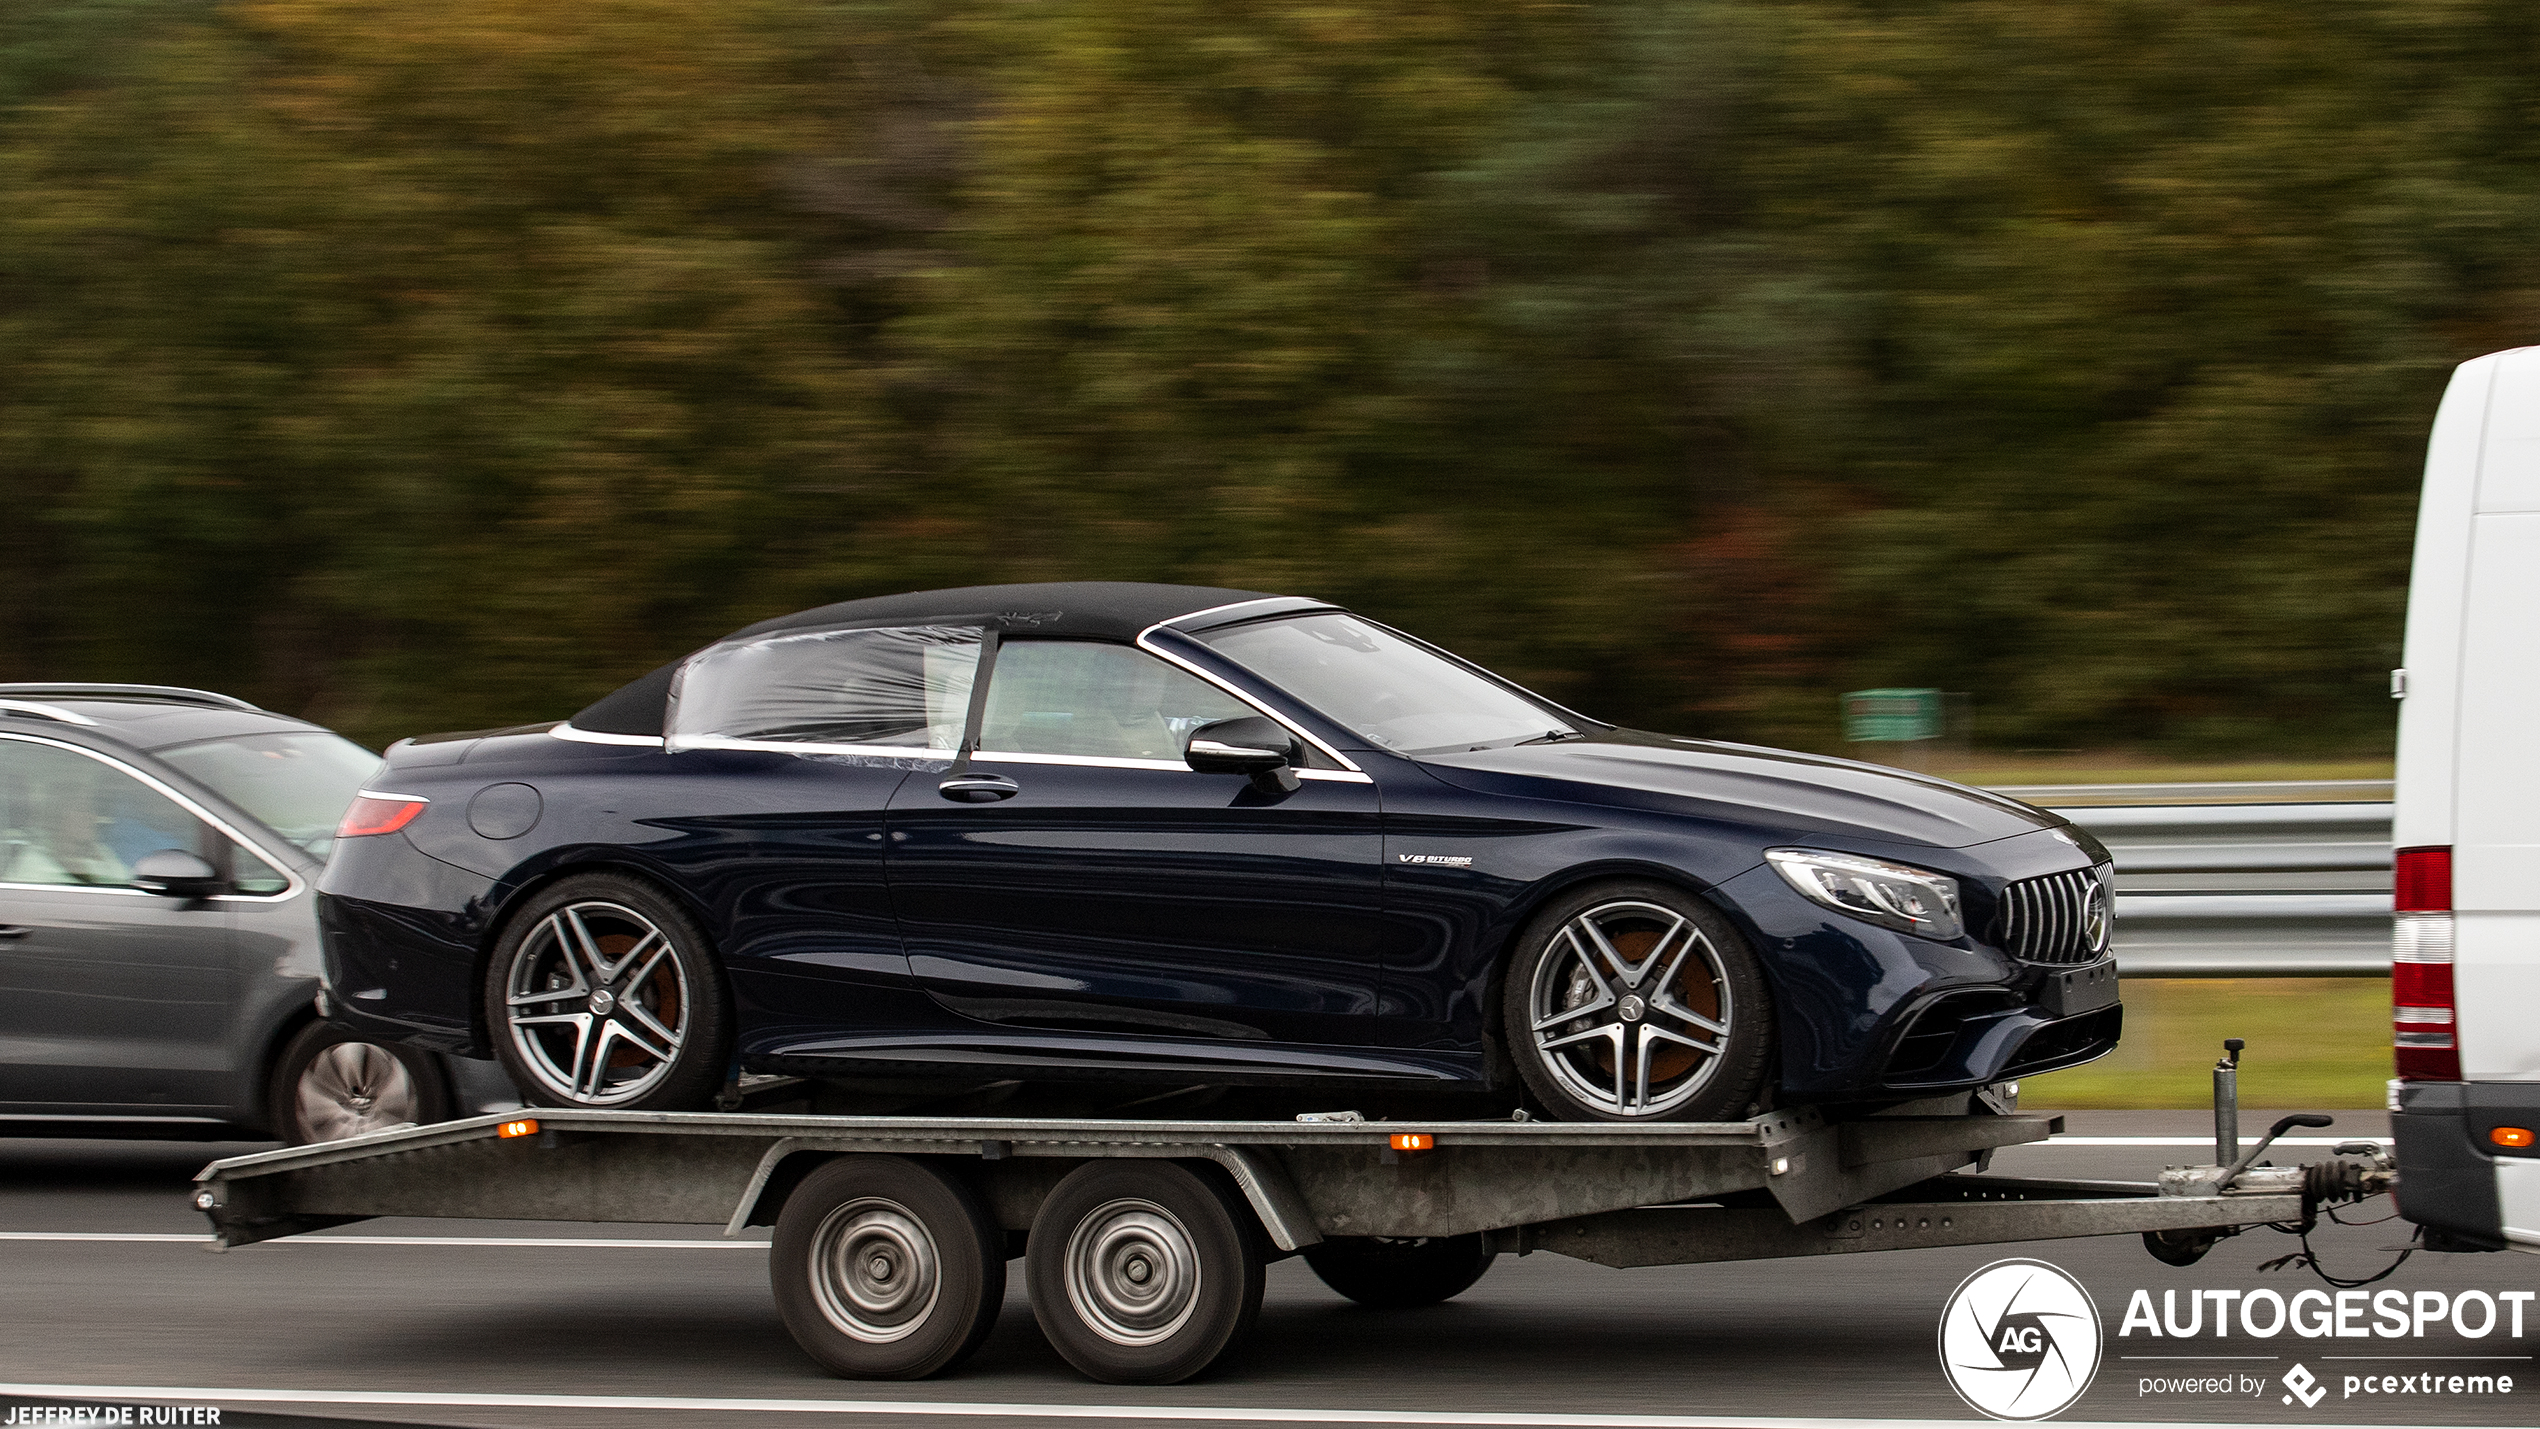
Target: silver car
159,849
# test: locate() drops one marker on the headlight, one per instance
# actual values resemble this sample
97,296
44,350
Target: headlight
1910,900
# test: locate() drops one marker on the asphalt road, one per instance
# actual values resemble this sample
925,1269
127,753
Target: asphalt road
615,1313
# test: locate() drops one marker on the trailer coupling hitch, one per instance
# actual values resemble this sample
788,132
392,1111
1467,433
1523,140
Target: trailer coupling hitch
2337,1181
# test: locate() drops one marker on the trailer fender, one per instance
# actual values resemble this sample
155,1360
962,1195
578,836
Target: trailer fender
1265,1183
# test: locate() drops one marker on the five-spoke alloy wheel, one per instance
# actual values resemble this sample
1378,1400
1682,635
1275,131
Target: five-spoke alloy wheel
1637,1002
600,994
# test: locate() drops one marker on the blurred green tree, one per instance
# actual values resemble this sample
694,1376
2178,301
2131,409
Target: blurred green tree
1690,359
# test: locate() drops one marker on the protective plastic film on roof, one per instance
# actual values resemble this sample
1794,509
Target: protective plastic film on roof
904,687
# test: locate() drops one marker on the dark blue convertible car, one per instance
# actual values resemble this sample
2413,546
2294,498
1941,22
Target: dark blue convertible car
1166,836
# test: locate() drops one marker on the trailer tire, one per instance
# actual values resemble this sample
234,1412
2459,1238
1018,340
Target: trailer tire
1386,1273
1143,1272
886,1269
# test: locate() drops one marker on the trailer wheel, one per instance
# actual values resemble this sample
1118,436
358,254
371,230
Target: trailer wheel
1386,1273
885,1269
1143,1272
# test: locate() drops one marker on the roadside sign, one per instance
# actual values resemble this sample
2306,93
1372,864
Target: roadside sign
1873,715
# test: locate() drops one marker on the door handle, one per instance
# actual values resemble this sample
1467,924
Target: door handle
8,932
978,788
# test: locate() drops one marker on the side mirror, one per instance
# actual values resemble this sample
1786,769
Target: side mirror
1249,745
174,873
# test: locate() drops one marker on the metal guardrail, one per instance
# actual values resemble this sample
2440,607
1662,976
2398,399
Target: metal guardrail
2299,888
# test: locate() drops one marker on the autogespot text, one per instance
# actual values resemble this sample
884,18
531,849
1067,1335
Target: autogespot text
2324,1314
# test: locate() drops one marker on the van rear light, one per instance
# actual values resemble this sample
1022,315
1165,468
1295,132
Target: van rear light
379,814
2424,1040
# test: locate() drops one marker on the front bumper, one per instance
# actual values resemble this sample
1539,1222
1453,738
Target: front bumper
1869,1014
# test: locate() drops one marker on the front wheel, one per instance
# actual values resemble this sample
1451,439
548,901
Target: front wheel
601,993
1390,1273
1637,1002
329,1084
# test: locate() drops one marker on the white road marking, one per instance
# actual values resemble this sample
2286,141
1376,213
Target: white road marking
1194,1413
515,1242
2246,1140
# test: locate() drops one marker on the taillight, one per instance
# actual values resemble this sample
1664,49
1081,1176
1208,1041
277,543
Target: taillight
2424,1041
379,814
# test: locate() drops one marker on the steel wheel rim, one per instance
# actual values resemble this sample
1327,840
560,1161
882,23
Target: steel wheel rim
350,1088
596,1003
1630,1011
1132,1272
875,1270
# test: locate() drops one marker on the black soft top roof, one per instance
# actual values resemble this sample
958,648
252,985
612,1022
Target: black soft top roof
1085,610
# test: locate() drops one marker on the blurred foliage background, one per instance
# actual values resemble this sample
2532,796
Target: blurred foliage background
417,368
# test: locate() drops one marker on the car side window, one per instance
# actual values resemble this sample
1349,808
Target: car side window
249,872
70,820
1067,697
904,687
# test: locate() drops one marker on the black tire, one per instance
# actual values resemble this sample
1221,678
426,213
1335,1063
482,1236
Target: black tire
1386,1273
1669,967
330,1083
651,959
1144,1272
886,1269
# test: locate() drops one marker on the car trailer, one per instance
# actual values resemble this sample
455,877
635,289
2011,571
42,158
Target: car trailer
1145,1241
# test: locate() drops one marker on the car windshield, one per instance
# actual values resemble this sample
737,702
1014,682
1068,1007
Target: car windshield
296,784
1393,692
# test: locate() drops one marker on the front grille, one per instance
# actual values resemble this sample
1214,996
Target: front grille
2048,920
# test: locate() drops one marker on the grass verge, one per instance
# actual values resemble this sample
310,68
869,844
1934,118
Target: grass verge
2313,1042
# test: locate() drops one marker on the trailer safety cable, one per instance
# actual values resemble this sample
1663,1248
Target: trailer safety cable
2310,1257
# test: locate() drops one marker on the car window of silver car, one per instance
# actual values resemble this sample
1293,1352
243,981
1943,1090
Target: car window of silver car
70,820
1094,701
1390,690
902,688
296,784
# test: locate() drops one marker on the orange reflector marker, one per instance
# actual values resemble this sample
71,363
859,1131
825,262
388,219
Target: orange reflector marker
1413,1141
523,1127
2511,1136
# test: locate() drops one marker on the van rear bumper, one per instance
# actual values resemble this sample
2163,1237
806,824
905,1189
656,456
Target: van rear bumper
2447,1163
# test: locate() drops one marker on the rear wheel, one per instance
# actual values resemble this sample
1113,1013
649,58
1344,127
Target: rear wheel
601,994
1387,1273
886,1269
330,1083
1143,1272
1637,1002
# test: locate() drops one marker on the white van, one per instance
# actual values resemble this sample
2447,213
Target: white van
2466,947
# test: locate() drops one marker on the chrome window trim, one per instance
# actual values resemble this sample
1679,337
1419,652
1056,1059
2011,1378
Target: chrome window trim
291,876
1177,621
391,795
787,746
45,711
90,888
593,736
1291,726
1174,766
